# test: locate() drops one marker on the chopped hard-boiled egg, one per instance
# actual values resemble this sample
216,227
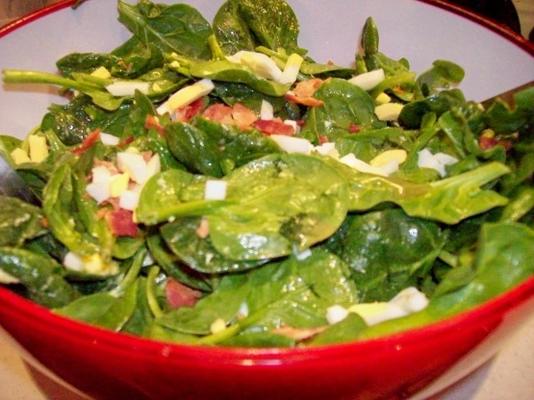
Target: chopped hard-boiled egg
127,88
38,148
374,313
136,167
109,140
259,63
19,156
292,123
397,155
217,326
368,80
129,200
327,149
99,191
382,98
336,313
359,165
7,279
291,69
388,111
92,264
266,111
436,161
101,72
410,300
118,184
293,144
186,96
215,190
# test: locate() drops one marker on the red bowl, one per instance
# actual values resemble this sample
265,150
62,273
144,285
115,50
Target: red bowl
107,365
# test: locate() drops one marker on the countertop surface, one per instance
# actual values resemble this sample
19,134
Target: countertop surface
507,376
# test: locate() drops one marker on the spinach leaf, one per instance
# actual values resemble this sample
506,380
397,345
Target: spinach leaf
344,104
103,308
198,253
448,200
173,267
341,332
231,29
277,203
40,275
386,250
19,221
442,75
176,28
503,260
70,122
208,147
141,318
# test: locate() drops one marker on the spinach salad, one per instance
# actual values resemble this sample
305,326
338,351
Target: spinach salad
213,184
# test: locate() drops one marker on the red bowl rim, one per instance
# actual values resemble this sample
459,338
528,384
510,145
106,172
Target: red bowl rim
15,304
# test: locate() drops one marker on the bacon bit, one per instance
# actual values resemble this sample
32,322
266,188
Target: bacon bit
354,128
307,88
203,229
121,223
179,295
300,122
152,122
126,141
243,116
305,101
87,143
298,333
219,113
323,139
274,127
106,164
44,222
187,113
487,141
101,213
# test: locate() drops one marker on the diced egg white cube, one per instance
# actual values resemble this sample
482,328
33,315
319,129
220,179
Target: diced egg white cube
215,190
382,98
134,165
73,262
388,111
292,123
186,96
153,165
149,260
129,200
438,161
99,191
410,300
359,165
292,144
374,313
327,149
109,140
336,313
266,111
291,69
100,174
259,63
368,80
127,88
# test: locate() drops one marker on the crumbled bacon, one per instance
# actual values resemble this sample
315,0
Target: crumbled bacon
274,127
126,141
87,143
307,88
179,295
121,222
187,113
298,334
243,116
203,229
152,122
354,128
323,139
308,101
219,113
487,143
